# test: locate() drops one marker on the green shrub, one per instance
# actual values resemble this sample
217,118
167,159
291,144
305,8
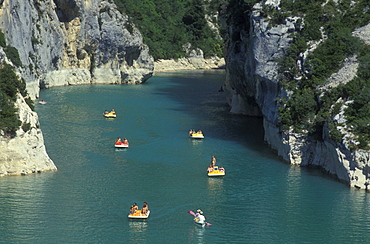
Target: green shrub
2,39
334,133
9,121
358,112
13,55
30,103
26,127
10,85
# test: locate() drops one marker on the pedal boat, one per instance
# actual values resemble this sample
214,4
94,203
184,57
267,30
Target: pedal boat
42,102
111,114
139,215
121,145
197,136
216,172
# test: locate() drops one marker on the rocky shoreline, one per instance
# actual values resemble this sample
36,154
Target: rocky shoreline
191,63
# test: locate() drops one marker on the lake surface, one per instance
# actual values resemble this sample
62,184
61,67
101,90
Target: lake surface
260,200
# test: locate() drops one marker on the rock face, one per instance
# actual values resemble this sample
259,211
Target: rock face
164,65
252,88
65,42
194,60
25,153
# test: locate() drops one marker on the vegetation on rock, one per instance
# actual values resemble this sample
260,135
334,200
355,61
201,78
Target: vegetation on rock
309,108
11,52
167,25
10,85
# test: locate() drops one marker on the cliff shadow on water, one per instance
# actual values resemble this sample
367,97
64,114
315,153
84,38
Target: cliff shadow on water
199,96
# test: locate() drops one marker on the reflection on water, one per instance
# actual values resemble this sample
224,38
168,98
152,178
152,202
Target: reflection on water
215,186
196,234
357,213
293,186
109,119
138,226
137,230
120,149
196,142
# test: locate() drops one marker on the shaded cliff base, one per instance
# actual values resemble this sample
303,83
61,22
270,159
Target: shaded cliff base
350,168
167,65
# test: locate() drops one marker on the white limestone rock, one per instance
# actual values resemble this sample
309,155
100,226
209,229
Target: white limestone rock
25,153
74,42
163,65
363,33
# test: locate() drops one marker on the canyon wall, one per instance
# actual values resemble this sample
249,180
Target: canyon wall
65,42
252,89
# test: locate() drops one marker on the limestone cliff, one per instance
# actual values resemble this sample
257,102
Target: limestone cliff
25,153
168,65
65,42
194,60
252,88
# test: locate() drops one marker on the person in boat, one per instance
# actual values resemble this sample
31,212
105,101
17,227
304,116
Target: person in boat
201,218
105,112
191,132
118,140
213,161
145,208
125,140
221,168
133,208
200,132
210,169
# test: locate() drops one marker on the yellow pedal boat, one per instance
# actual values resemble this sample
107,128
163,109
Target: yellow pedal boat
197,136
111,114
217,171
139,215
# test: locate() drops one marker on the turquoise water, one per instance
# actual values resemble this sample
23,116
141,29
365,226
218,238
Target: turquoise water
260,200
